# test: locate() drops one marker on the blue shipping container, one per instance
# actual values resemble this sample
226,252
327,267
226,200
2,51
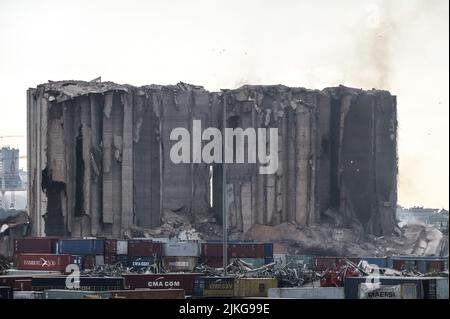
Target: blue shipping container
80,246
268,250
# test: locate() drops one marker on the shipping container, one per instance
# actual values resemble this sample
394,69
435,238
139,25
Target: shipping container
423,264
43,245
381,262
10,281
99,260
75,294
18,272
246,250
214,287
181,249
301,261
164,240
122,247
177,264
374,291
148,294
22,284
141,262
211,250
268,250
110,246
183,281
324,263
42,262
6,292
426,287
307,293
86,283
241,250
81,246
435,287
28,295
144,249
253,287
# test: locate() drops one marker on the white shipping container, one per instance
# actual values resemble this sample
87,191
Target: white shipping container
122,247
374,291
99,260
28,295
442,288
181,249
307,293
175,264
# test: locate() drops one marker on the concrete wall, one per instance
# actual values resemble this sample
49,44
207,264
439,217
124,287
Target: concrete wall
99,157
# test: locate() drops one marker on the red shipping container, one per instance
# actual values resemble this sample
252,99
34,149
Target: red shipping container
148,294
43,262
246,250
43,245
324,263
216,262
144,249
110,246
162,281
23,285
212,250
233,250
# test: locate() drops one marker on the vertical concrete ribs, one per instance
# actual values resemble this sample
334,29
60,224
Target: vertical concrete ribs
99,157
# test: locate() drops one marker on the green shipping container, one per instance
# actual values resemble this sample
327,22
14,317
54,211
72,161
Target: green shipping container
76,294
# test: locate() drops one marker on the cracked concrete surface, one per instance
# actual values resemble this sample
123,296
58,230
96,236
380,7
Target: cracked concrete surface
99,158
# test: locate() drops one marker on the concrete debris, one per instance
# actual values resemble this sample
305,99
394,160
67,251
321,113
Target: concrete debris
99,162
11,218
327,239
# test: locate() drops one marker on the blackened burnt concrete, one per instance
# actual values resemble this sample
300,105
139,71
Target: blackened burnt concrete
99,157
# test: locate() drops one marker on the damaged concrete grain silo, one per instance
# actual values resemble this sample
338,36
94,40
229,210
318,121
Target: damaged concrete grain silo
99,157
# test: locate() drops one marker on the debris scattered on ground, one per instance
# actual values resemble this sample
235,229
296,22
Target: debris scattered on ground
321,240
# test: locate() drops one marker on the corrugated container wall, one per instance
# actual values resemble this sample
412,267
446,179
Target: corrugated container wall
42,262
177,264
181,249
80,246
307,293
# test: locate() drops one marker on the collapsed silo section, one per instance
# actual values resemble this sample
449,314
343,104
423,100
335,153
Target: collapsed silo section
85,143
287,193
186,177
357,158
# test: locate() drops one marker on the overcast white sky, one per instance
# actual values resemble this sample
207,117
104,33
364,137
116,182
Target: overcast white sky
400,45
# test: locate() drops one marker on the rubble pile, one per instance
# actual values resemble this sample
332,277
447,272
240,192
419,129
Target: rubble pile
322,239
